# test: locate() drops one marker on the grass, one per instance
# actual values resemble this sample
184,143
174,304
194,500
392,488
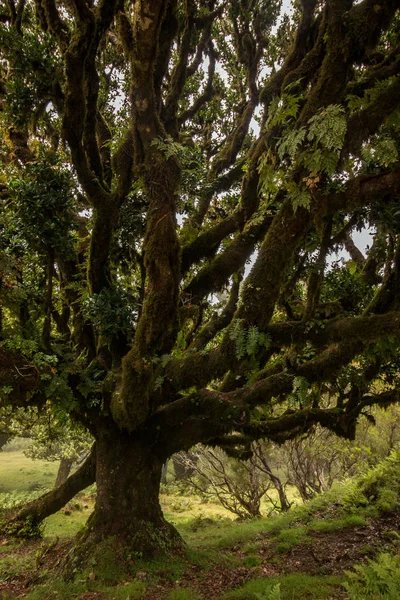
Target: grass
21,474
62,525
214,540
339,524
296,586
10,567
183,594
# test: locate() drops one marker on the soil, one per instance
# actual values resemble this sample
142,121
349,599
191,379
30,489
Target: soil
329,553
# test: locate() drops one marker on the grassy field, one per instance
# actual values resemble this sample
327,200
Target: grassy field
305,554
20,474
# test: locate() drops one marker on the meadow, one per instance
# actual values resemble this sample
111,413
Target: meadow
308,553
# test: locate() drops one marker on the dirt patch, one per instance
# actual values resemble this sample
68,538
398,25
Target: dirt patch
332,553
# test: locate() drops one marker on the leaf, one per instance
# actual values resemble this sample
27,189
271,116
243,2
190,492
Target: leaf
283,108
290,142
328,127
299,195
352,267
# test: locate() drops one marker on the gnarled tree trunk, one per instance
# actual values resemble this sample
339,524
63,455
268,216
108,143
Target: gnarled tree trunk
127,510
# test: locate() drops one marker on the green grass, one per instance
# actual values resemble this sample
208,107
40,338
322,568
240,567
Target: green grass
61,590
213,539
183,594
16,565
339,524
62,525
21,474
128,591
65,590
296,586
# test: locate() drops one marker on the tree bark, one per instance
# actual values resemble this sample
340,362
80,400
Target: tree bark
36,511
63,471
4,438
127,512
284,502
164,472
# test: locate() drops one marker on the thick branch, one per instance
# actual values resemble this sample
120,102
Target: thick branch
57,498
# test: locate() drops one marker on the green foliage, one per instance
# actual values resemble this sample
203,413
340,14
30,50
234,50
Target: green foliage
44,202
344,284
282,109
380,485
380,150
251,560
248,341
111,311
328,127
27,529
14,499
38,53
286,587
129,591
315,147
289,538
346,522
300,196
63,590
356,103
378,578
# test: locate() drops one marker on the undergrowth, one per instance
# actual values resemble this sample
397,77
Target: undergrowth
378,578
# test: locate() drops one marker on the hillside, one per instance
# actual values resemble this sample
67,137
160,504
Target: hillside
304,554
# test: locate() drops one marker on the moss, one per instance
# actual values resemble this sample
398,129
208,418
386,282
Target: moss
28,528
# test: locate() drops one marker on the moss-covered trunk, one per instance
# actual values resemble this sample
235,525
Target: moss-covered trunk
127,512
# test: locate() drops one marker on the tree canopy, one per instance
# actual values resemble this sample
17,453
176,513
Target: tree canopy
176,178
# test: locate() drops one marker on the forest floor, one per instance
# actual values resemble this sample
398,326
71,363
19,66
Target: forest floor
308,564
304,554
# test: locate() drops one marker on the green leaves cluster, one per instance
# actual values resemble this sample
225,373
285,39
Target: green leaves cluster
44,200
248,341
111,311
315,147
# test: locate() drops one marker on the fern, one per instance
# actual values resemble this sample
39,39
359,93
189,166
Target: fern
252,340
377,579
271,178
328,127
299,195
247,341
273,594
381,150
283,108
237,335
290,143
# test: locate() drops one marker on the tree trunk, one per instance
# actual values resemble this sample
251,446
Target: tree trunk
284,502
26,521
164,472
63,471
4,438
127,513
